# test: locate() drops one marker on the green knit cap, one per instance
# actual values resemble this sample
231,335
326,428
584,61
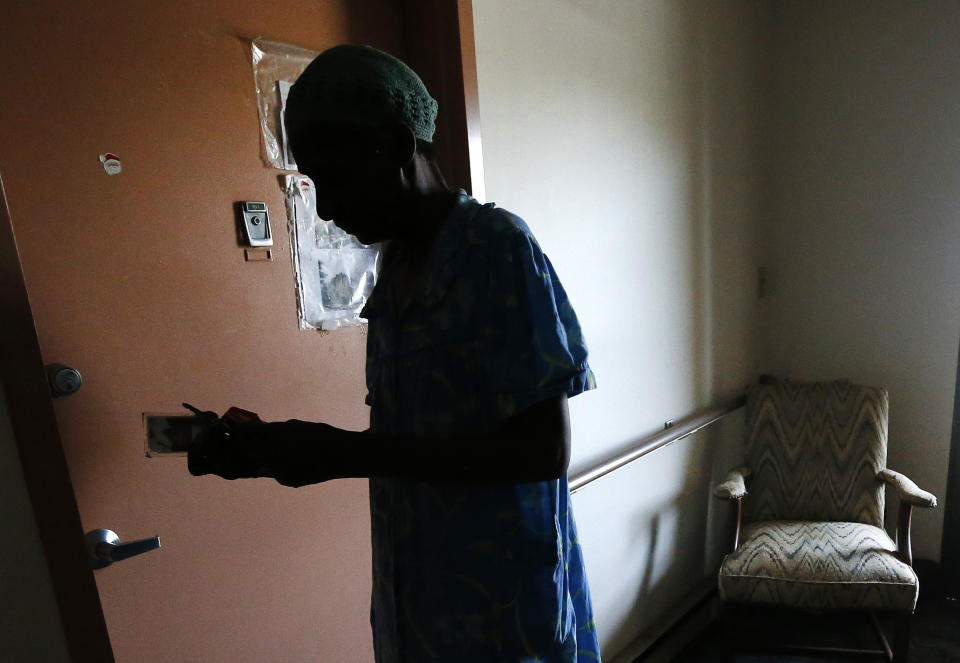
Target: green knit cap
359,84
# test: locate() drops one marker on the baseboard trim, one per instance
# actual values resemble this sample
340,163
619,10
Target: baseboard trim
676,630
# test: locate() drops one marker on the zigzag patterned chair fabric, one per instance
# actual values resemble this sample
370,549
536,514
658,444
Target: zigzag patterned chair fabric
813,533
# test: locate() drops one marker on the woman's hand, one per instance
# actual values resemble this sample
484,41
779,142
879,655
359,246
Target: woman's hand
226,447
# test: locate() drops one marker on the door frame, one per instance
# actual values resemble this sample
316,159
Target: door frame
44,464
440,47
440,42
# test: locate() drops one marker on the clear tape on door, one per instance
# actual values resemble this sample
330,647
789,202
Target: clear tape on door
275,67
334,272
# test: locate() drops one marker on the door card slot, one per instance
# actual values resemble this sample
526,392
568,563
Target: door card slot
171,434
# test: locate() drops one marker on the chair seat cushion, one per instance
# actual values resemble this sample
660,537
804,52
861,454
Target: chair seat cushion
818,566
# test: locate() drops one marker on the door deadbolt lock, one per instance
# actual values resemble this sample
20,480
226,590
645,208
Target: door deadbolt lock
63,380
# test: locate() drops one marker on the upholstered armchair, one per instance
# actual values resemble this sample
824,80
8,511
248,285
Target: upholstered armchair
809,505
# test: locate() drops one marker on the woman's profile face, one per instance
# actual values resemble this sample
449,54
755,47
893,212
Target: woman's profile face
354,170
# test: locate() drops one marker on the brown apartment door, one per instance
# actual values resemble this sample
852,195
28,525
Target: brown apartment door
137,281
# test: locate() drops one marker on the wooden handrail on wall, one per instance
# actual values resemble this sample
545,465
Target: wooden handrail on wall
683,428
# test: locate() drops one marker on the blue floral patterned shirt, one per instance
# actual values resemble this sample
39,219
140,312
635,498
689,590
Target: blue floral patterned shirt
475,572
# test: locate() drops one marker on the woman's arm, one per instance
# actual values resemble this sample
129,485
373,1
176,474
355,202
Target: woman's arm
533,445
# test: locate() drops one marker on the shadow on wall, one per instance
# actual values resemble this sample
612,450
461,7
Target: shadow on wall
673,534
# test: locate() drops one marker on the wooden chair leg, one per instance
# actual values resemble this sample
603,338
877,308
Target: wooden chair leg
901,642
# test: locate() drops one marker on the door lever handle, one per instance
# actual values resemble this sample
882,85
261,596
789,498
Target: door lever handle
104,547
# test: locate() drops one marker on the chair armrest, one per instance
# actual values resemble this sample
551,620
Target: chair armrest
907,490
734,486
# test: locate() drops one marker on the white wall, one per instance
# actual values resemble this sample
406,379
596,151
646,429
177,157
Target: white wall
30,626
625,133
863,240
